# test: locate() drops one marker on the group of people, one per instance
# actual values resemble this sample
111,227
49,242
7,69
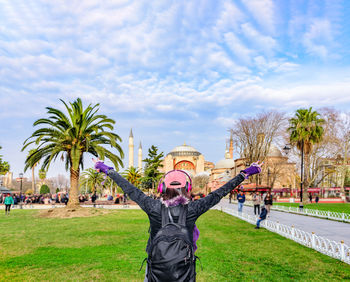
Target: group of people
33,199
259,200
37,198
317,198
264,201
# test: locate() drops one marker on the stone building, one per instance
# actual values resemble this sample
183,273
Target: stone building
186,158
278,174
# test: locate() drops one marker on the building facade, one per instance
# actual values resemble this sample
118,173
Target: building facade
186,158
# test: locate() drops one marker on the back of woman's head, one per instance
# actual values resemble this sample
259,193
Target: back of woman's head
171,193
174,184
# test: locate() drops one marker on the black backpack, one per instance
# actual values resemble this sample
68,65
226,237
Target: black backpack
171,255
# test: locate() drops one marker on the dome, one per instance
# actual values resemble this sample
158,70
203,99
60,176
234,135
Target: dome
274,152
184,150
225,163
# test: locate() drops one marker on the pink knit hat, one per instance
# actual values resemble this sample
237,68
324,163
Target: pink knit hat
175,179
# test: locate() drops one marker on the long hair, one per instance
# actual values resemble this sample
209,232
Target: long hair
171,193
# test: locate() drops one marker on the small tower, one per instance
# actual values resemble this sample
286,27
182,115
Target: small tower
231,146
131,149
139,159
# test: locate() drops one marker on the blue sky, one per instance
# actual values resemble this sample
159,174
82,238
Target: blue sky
174,71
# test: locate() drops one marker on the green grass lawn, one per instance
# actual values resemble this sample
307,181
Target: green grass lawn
111,247
325,207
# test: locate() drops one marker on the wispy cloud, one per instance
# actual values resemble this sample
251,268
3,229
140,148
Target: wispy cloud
188,64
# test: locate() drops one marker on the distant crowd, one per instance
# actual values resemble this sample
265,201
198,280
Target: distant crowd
37,199
63,198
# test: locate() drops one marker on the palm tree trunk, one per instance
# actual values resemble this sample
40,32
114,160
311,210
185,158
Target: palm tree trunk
306,179
74,188
33,180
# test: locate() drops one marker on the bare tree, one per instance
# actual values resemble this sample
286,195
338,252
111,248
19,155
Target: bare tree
273,169
200,182
253,136
342,141
60,181
327,148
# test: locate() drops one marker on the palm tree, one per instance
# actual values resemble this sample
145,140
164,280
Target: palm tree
42,175
305,130
4,166
70,137
91,178
133,175
111,185
33,172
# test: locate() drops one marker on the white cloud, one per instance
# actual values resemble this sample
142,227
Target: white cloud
241,51
318,38
229,18
261,42
145,60
264,13
277,65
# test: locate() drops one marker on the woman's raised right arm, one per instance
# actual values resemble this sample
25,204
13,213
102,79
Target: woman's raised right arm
146,203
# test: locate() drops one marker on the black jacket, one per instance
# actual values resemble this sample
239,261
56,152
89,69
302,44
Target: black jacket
153,206
263,214
268,200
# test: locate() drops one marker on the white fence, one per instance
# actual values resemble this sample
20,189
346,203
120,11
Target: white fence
328,247
313,212
338,216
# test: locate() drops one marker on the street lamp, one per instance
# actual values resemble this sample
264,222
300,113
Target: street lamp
20,193
268,177
286,150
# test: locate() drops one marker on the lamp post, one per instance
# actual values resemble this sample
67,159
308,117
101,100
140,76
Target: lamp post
268,177
20,192
286,150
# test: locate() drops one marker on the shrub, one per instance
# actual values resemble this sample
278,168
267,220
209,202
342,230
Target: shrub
44,189
29,192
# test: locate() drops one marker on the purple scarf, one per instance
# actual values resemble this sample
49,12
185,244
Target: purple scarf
181,200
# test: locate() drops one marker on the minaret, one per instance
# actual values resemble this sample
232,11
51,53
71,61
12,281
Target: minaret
227,152
139,160
131,149
231,146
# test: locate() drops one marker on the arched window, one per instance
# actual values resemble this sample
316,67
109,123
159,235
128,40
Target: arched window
185,165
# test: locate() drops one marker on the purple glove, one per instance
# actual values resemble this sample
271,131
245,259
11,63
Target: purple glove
253,169
102,167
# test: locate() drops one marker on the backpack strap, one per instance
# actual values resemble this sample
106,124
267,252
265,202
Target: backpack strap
183,215
167,217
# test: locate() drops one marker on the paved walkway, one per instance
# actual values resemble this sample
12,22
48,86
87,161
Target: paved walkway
329,229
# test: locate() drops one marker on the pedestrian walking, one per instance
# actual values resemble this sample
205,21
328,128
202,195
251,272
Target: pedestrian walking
317,199
8,202
310,198
256,203
268,202
173,233
230,196
241,200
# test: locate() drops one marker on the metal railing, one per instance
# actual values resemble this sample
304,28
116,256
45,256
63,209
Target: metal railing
328,247
338,216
